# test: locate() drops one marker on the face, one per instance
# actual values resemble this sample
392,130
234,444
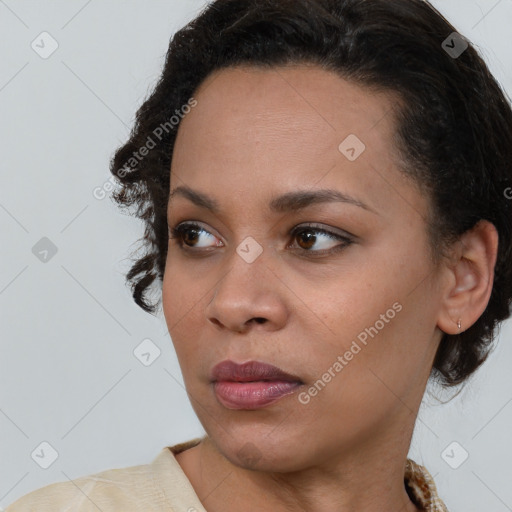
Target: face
335,291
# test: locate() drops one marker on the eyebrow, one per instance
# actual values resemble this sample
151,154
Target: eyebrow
289,202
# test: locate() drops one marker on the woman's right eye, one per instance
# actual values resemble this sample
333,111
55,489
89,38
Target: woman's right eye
187,235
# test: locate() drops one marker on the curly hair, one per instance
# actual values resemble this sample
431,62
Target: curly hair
453,128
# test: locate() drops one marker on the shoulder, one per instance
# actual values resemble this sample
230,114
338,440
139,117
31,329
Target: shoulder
113,489
160,486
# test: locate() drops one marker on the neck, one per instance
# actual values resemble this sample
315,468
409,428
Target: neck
360,481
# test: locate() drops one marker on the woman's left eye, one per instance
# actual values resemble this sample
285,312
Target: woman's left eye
189,236
322,238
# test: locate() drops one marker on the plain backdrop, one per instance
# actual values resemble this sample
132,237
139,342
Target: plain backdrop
72,387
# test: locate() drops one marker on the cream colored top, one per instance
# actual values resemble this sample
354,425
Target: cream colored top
162,486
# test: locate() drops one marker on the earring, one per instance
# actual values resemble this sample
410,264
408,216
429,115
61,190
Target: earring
458,324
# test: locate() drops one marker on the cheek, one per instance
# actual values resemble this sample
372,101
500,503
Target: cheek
183,290
376,314
343,302
182,300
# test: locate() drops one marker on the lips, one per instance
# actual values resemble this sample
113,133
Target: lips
251,385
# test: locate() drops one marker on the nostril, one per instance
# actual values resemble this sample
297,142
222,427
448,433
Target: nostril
260,320
215,322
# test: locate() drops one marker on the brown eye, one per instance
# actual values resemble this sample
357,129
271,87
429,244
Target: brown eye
308,237
189,234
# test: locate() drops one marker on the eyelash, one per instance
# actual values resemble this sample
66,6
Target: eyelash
177,233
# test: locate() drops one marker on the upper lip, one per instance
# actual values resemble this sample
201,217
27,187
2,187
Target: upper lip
250,371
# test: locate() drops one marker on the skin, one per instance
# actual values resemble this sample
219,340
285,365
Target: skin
256,134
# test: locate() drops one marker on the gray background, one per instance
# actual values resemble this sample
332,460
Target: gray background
68,324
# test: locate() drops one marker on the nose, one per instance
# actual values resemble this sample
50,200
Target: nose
249,296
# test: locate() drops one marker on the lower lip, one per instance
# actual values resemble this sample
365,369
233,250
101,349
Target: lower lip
252,395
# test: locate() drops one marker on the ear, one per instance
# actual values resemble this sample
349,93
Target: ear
470,277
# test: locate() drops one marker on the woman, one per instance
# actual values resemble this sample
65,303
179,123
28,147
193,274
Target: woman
324,186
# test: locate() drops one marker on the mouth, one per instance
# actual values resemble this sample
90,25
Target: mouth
251,385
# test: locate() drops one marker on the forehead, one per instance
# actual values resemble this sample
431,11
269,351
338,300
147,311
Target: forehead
273,128
288,99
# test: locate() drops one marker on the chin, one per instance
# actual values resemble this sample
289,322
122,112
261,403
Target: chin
253,448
